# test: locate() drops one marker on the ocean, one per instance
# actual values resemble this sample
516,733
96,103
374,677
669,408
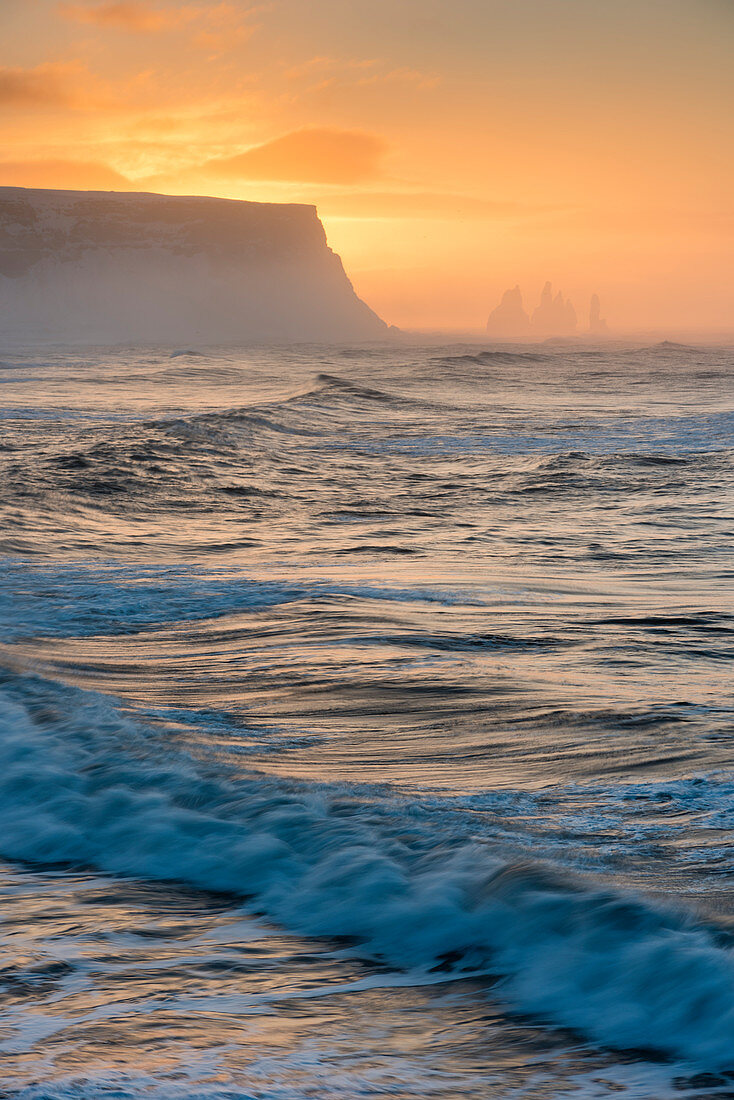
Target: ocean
366,722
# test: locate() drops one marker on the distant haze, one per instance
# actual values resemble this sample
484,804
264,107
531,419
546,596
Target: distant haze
453,149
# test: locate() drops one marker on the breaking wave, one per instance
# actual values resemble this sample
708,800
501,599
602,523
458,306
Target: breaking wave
82,785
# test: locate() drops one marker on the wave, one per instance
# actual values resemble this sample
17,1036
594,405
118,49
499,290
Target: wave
82,785
669,346
701,620
299,414
481,358
332,387
333,384
74,601
645,442
459,643
333,392
231,427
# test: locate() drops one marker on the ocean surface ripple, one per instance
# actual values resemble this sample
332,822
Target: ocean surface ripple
366,726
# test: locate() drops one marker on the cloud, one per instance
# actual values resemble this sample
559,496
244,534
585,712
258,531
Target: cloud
327,72
212,24
127,15
309,156
68,175
55,85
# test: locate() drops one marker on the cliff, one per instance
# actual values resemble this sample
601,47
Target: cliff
119,267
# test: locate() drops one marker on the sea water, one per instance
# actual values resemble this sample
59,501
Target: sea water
366,722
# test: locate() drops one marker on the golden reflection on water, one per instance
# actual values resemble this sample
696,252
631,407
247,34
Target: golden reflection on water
472,599
146,981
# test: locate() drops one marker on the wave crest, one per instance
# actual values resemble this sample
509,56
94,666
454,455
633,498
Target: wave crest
82,784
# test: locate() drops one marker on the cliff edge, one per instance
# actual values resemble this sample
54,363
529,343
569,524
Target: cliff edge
85,266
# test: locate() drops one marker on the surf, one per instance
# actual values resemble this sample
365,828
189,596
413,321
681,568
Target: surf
82,785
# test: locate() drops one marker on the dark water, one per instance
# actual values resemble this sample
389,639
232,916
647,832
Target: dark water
367,723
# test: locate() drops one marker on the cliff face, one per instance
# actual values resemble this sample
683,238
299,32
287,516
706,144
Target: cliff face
118,267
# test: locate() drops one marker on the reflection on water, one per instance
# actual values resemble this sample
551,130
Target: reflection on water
125,989
417,656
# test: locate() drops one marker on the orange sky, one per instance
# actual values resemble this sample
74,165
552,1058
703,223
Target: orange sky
453,147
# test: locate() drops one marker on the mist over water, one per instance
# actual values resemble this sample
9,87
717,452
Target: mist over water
366,722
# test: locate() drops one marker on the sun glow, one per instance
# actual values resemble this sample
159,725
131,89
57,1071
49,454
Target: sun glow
451,154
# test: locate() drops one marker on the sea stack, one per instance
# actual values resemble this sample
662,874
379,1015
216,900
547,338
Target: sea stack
509,321
555,316
597,324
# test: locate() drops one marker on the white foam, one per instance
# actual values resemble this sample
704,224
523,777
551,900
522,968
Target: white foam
80,784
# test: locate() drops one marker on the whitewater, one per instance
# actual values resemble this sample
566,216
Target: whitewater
365,722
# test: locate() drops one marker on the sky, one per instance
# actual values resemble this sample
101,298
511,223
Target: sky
454,148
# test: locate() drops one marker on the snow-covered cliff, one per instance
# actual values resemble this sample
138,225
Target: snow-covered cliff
118,267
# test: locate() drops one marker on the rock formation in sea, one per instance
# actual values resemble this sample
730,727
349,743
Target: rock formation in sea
509,321
597,324
119,267
555,316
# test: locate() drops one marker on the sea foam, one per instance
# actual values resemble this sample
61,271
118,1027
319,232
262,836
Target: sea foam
82,784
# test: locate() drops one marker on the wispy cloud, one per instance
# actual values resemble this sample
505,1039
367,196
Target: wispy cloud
325,72
128,15
50,85
211,24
